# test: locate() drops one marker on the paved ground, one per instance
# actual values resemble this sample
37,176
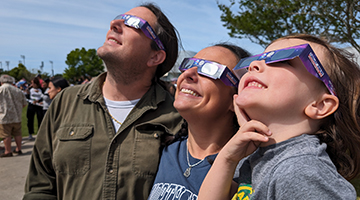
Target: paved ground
13,171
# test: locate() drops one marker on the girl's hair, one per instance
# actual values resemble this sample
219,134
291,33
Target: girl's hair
59,82
239,53
341,130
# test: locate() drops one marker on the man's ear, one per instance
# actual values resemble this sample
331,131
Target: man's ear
156,58
326,105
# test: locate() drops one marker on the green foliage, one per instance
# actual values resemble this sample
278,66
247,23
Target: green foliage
81,63
262,21
20,72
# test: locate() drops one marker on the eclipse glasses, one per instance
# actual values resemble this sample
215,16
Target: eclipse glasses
210,69
304,52
138,23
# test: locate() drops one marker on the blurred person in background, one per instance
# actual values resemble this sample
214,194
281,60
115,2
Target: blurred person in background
12,101
34,95
45,97
56,85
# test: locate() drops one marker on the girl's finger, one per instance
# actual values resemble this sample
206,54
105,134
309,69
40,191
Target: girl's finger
256,126
242,117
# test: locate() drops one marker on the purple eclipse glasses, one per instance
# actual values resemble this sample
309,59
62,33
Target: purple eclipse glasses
304,52
210,69
138,23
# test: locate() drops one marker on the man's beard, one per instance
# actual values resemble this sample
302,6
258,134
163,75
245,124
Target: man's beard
123,69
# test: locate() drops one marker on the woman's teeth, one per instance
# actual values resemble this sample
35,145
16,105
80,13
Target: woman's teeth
187,91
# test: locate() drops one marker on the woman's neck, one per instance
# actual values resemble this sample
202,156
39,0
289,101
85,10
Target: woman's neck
208,138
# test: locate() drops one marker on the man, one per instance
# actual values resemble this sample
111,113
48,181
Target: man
102,140
12,101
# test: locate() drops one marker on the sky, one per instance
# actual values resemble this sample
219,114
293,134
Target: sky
36,31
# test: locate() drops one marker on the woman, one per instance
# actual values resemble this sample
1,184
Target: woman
206,103
34,96
56,85
45,97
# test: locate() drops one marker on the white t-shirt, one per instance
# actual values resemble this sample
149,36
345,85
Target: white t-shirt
120,110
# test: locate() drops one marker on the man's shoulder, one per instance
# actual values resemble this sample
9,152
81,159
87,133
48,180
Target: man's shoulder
69,94
11,88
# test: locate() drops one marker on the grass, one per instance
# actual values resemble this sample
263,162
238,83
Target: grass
25,133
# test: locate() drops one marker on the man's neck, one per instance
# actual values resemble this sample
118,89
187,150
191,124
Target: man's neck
117,91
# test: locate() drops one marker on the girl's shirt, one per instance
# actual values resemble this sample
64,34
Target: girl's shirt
298,168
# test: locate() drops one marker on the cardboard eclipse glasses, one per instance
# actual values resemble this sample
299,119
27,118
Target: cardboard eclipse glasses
304,52
138,23
210,69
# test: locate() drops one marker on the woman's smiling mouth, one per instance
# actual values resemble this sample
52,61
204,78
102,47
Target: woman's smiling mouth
188,91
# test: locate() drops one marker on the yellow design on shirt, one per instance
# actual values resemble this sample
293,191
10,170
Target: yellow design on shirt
244,192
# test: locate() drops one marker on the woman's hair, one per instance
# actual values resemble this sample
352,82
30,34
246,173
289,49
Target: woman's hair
59,82
36,81
341,130
46,80
239,53
168,35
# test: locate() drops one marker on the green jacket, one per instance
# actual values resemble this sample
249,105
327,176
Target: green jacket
78,155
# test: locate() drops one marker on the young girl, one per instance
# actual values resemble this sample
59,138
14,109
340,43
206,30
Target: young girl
304,122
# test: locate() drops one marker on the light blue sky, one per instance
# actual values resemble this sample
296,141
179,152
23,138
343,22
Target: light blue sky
49,30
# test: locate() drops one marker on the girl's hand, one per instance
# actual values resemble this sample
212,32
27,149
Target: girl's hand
247,139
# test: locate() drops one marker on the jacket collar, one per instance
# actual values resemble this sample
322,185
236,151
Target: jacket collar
93,92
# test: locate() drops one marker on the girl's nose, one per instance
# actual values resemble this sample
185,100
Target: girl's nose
256,65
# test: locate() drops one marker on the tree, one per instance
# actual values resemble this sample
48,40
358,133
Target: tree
82,63
262,21
20,72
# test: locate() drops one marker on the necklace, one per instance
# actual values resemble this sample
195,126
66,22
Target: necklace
187,171
113,118
110,113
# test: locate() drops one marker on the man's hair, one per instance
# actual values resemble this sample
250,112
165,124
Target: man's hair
168,35
7,79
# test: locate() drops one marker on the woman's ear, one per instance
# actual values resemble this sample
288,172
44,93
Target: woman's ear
156,58
326,105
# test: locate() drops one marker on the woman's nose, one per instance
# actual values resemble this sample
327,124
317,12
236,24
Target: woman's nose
191,74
